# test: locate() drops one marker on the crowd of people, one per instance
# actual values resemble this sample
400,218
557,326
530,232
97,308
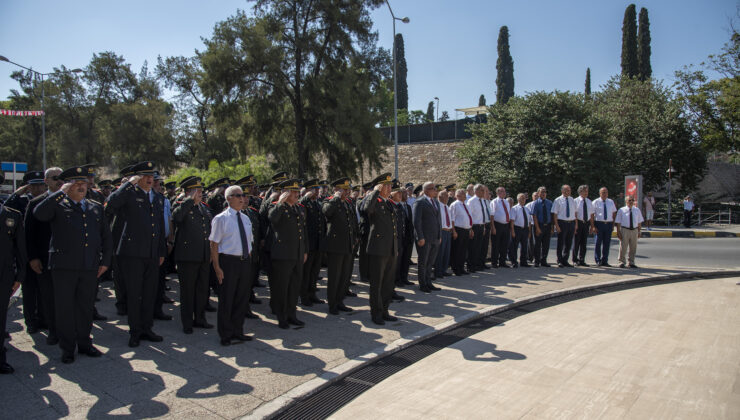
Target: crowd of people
63,236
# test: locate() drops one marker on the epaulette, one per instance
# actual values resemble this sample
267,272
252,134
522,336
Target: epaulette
380,200
93,201
205,204
12,209
252,208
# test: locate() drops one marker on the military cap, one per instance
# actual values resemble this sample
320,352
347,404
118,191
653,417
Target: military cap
74,173
33,177
191,182
263,187
90,168
143,168
311,183
382,179
290,185
223,182
438,187
356,188
367,186
127,171
157,175
116,182
105,183
323,183
246,181
170,184
418,188
396,186
409,185
450,188
342,183
276,186
280,176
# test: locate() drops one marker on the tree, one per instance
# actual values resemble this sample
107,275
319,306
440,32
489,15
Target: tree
401,73
588,81
430,112
298,77
630,65
643,46
445,116
646,128
504,68
482,100
543,138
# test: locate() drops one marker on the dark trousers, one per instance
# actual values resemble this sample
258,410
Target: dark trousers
579,245
460,249
46,299
363,260
542,243
193,278
381,269
74,298
530,241
503,233
119,284
141,276
603,240
520,240
687,218
427,256
161,279
565,240
484,252
311,269
443,254
6,284
339,271
233,295
285,287
475,248
32,311
404,261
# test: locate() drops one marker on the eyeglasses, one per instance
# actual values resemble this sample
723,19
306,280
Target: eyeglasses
55,178
237,195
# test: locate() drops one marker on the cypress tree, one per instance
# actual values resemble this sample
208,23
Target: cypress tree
588,81
504,68
482,100
430,112
629,43
401,73
643,45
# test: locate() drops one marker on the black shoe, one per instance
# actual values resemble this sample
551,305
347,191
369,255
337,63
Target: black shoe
98,317
162,316
306,302
6,369
167,300
425,289
407,283
621,265
225,342
210,308
68,358
296,321
567,264
187,330
241,337
633,266
561,265
150,336
389,318
344,308
255,300
434,288
52,340
515,265
316,300
202,325
545,264
486,267
334,311
504,265
133,341
378,321
251,315
536,264
583,264
605,264
91,352
446,274
283,325
97,299
397,297
525,265
32,329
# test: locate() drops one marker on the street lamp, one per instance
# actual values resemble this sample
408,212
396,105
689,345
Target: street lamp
437,99
395,87
670,172
43,114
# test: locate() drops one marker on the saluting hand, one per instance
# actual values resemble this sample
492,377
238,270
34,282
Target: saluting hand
284,196
22,189
66,186
378,187
134,179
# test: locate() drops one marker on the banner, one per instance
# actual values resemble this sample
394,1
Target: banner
14,113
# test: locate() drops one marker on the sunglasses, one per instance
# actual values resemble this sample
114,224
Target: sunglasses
55,178
237,195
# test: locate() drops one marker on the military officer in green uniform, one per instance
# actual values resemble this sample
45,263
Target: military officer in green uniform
316,232
216,201
382,248
13,263
289,250
341,238
192,254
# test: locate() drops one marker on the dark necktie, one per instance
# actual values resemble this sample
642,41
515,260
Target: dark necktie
604,202
631,225
468,213
526,219
243,236
482,210
567,207
447,217
585,212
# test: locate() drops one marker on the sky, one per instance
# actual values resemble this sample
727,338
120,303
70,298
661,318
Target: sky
450,45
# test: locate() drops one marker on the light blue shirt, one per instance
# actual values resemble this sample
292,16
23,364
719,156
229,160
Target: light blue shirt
167,216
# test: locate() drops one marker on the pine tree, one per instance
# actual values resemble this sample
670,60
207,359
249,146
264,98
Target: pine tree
504,68
482,100
430,112
643,46
629,43
401,73
588,81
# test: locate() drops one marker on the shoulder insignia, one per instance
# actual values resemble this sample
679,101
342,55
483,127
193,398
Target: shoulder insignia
94,202
252,208
12,209
10,222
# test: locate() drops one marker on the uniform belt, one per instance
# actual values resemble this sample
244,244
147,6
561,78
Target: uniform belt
629,228
603,221
234,257
447,230
479,224
566,221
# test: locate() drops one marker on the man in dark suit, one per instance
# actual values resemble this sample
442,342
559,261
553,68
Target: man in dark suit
80,252
382,248
141,249
316,235
341,237
428,235
406,243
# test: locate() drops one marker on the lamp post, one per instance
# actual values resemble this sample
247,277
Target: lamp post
43,115
437,99
670,172
395,87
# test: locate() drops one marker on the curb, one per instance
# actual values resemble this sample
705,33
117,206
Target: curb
279,404
683,234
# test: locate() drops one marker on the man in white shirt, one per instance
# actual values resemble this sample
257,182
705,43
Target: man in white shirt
604,212
470,192
563,217
584,225
628,222
520,228
462,233
443,255
231,248
649,202
481,217
502,228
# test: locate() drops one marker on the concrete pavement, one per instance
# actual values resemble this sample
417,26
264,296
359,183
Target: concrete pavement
666,351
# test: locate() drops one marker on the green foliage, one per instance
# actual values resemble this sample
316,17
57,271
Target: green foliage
540,139
482,100
630,64
401,73
504,68
445,116
643,46
430,112
234,169
587,90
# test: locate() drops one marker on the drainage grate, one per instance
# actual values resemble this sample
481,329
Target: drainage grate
333,397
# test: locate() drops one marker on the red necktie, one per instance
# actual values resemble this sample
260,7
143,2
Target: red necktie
468,213
447,217
505,211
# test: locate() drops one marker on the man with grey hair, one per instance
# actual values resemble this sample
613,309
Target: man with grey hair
481,217
563,218
584,225
428,235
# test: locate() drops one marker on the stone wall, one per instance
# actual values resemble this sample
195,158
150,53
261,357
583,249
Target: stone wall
418,163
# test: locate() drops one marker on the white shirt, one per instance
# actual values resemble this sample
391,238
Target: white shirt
225,232
445,211
598,206
529,206
688,205
649,203
410,201
560,208
519,213
579,208
459,215
500,208
480,214
623,217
